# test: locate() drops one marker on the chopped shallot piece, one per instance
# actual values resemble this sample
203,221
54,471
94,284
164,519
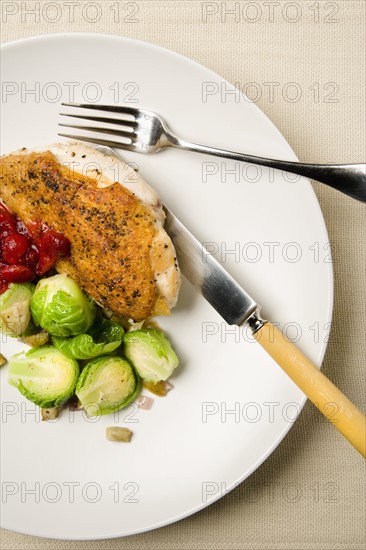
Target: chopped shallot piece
159,388
36,340
168,386
49,414
144,402
2,360
118,434
107,313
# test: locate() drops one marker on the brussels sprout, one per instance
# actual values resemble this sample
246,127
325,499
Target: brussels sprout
105,338
105,330
14,309
151,353
59,307
44,375
107,384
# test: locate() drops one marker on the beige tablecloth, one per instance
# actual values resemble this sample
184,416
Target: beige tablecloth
319,46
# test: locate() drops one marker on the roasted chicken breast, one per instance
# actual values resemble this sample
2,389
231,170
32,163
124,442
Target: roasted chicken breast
120,253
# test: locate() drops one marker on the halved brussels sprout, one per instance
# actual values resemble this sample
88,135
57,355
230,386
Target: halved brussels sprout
14,309
151,353
107,384
60,307
44,375
103,339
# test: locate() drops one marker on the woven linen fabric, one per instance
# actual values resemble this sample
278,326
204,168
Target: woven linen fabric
306,63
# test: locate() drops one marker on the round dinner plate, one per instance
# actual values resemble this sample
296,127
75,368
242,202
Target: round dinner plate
231,404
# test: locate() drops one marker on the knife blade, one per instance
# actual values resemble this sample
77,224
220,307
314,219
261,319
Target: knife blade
208,276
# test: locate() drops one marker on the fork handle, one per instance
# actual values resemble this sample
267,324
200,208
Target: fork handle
330,401
347,178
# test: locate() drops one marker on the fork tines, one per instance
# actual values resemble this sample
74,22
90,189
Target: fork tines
127,130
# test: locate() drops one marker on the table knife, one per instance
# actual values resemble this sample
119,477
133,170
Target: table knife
236,307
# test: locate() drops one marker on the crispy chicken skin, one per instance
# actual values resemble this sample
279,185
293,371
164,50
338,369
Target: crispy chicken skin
119,249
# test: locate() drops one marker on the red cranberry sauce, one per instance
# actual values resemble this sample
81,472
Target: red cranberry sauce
27,250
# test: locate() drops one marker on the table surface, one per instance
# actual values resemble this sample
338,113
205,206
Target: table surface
306,63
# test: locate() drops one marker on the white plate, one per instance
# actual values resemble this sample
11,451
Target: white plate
63,479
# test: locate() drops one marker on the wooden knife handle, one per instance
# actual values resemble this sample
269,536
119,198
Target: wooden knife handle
335,406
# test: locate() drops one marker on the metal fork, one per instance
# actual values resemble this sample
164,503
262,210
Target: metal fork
147,132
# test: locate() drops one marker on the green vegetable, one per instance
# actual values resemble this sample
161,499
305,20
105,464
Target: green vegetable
151,353
44,375
105,338
59,307
105,330
14,309
107,384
